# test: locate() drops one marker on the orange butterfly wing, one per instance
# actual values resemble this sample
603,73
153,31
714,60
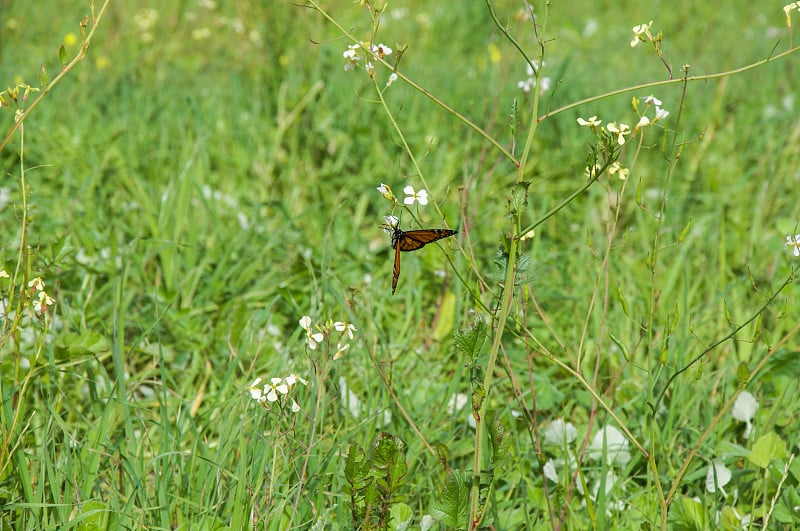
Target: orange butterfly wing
411,241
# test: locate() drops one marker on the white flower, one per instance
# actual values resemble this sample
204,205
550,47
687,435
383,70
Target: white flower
550,471
381,50
392,79
615,443
620,130
390,224
560,432
591,122
352,57
255,392
787,9
653,100
456,402
40,305
661,114
421,196
293,379
616,168
37,284
527,85
313,338
340,350
744,410
386,192
718,476
347,328
794,243
639,32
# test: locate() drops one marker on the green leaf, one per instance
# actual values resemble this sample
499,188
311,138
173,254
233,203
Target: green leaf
742,374
73,345
95,516
447,317
622,348
768,447
470,341
44,79
401,516
623,301
62,55
687,514
501,440
452,506
685,231
356,466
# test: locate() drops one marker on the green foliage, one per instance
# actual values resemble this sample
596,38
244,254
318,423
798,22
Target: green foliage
375,483
185,181
452,506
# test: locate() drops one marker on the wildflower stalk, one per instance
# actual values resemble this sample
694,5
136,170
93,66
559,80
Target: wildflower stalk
87,41
686,79
472,125
480,422
476,512
714,424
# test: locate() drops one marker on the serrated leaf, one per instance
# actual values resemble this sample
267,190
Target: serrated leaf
470,341
501,440
452,506
356,466
742,373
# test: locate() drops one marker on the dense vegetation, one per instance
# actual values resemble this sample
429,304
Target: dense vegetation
198,326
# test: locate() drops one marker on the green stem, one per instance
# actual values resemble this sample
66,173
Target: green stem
505,307
472,125
69,66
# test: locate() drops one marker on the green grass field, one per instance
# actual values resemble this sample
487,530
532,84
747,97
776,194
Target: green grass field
606,348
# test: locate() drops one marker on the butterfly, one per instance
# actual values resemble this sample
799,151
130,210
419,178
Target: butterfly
411,241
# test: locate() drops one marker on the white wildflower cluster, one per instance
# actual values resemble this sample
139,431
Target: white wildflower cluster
618,132
608,445
315,335
276,392
641,33
527,85
353,58
41,300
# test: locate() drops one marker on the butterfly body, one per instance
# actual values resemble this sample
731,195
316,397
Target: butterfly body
412,240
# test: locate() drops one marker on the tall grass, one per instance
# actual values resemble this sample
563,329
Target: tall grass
610,340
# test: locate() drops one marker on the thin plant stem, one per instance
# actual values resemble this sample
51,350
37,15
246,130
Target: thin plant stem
87,41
